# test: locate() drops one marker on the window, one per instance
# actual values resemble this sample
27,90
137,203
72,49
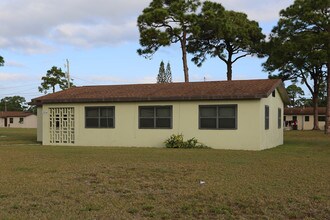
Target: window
218,117
273,93
279,118
11,120
284,118
155,117
266,117
321,118
100,117
21,120
306,118
294,118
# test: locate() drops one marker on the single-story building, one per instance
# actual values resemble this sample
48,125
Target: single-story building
242,114
303,118
17,119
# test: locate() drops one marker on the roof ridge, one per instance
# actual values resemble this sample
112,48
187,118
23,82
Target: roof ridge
183,83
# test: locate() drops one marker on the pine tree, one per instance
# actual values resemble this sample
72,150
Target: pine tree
168,73
166,22
161,73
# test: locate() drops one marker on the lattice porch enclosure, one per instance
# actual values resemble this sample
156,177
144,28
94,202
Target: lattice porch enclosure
61,125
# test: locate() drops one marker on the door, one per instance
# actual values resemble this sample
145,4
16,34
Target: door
61,126
6,122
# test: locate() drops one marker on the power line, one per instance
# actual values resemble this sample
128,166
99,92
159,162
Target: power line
74,77
13,87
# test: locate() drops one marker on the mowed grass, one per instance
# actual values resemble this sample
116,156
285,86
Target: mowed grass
288,182
18,136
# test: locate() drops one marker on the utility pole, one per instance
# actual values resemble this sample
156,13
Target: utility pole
68,72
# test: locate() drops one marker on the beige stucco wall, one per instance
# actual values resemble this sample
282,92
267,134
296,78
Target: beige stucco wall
274,135
185,121
2,122
39,124
28,122
305,125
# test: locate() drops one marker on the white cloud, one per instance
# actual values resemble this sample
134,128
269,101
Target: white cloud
30,45
12,63
259,10
34,26
12,76
37,26
87,35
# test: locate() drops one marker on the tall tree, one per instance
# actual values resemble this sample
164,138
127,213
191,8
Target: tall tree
2,61
161,73
13,103
164,76
166,22
228,35
295,94
299,47
54,77
168,73
292,62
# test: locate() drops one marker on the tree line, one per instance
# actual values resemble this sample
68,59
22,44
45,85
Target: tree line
298,49
213,32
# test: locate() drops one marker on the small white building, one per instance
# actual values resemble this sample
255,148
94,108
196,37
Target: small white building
238,114
303,118
17,119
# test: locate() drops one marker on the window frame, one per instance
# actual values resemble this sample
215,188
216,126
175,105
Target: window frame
267,114
154,117
321,118
99,117
306,118
235,106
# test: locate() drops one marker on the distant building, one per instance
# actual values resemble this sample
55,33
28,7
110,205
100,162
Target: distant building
303,118
18,119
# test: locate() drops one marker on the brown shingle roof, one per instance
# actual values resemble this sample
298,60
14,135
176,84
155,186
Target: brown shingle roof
14,114
304,111
215,90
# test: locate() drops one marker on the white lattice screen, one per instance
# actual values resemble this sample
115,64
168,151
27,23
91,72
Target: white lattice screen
61,125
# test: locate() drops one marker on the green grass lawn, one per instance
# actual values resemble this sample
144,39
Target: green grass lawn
290,181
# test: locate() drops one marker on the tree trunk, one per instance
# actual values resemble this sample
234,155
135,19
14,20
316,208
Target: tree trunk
315,95
53,89
327,113
229,71
229,62
184,56
316,112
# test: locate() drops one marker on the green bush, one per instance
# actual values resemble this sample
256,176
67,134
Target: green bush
176,141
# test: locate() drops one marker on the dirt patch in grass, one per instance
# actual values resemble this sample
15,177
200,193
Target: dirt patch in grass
291,181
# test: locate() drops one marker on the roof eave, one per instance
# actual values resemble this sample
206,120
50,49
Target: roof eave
153,99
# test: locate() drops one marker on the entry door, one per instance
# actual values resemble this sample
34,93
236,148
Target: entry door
62,129
6,122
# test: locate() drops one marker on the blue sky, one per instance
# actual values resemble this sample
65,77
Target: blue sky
100,39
